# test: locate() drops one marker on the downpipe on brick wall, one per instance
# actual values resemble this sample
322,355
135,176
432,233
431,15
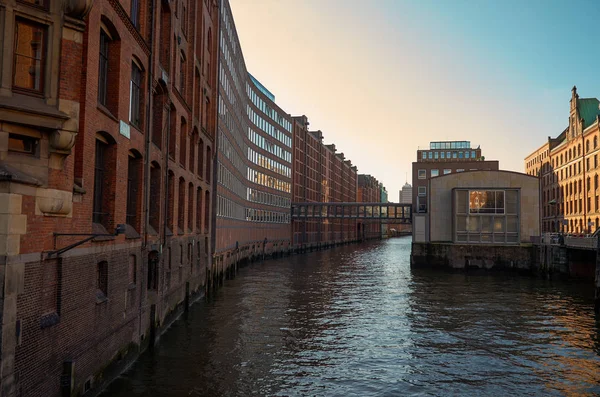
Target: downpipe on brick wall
147,161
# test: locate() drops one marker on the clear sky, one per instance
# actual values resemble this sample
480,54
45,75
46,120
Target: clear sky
382,78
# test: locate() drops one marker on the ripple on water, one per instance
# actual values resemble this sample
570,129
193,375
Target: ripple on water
357,321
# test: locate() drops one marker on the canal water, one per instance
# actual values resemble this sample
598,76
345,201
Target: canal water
357,321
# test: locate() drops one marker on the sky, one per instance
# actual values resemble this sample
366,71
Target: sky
383,78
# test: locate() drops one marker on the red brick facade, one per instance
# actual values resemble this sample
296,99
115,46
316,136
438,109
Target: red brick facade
321,175
369,191
116,127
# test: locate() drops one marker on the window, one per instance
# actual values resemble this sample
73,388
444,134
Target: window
467,155
29,56
99,171
422,190
486,202
422,174
442,155
436,155
473,154
23,144
133,173
103,69
460,170
132,269
182,75
134,95
587,163
135,13
435,173
595,161
424,155
38,3
460,155
454,155
102,279
595,144
430,155
447,171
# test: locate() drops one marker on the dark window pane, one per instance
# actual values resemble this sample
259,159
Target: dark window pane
98,183
22,144
103,69
136,82
135,13
29,55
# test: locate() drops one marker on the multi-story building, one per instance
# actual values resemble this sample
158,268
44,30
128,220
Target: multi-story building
254,161
568,170
444,158
106,148
405,196
320,175
369,191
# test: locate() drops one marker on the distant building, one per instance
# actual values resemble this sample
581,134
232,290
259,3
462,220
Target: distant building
568,170
406,194
444,158
369,192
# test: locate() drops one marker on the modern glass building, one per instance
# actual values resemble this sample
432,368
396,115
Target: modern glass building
253,159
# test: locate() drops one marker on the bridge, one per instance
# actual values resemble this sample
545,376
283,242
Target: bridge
383,212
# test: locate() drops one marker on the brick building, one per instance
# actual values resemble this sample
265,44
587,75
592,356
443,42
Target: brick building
568,170
369,191
444,158
321,175
253,160
108,119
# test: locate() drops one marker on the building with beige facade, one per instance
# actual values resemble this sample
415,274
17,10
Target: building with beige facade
480,207
440,159
567,167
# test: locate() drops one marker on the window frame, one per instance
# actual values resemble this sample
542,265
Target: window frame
134,13
36,147
135,106
422,173
43,57
103,59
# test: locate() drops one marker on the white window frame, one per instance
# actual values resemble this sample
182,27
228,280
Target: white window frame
422,174
422,191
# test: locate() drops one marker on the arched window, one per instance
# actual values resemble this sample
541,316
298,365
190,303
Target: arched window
104,180
587,146
172,132
206,210
108,76
596,182
193,148
580,187
589,184
201,158
183,143
190,207
208,164
579,150
199,210
595,142
181,206
155,197
134,190
102,280
171,202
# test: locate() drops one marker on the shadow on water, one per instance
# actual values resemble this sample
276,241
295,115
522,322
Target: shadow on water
357,321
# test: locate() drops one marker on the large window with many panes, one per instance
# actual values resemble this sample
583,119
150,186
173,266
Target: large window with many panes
486,216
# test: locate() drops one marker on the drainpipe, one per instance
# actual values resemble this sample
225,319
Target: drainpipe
148,132
147,160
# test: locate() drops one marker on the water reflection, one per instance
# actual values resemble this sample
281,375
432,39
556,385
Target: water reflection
357,321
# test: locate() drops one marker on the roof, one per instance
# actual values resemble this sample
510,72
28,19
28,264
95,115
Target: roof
589,109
